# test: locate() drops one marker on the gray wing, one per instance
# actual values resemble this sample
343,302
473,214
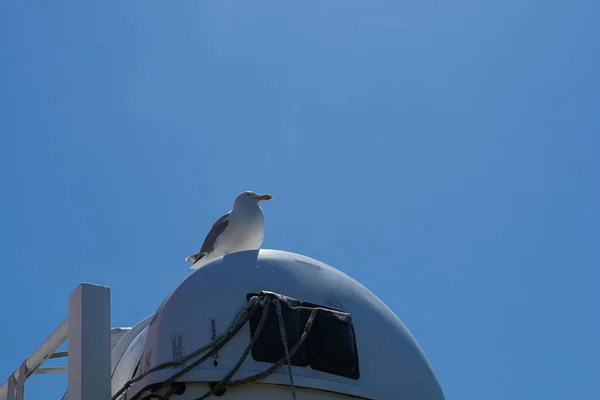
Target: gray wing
217,228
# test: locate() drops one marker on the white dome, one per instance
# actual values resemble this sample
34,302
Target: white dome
390,363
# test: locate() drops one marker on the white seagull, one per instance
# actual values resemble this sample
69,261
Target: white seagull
242,228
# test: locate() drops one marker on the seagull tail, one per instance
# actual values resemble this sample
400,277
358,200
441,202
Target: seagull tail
195,258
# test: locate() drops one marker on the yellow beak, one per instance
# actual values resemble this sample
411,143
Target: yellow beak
264,197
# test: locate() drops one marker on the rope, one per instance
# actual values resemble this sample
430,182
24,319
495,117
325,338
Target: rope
237,366
285,345
278,364
240,320
253,378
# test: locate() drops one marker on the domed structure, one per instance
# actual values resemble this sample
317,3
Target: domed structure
342,341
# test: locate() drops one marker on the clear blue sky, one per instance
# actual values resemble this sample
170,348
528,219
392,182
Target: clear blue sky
445,154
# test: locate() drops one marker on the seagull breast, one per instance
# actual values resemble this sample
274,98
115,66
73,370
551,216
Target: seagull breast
246,228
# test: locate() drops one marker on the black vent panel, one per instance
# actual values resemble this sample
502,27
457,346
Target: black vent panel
330,346
268,347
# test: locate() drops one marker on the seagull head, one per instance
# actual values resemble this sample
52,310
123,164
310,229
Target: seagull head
250,198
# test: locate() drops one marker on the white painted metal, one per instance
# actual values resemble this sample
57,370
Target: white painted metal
89,343
123,345
21,382
392,366
51,370
262,392
116,334
43,352
132,333
55,339
59,354
126,365
47,351
10,388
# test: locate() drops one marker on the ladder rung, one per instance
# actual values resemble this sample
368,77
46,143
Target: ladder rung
59,354
50,370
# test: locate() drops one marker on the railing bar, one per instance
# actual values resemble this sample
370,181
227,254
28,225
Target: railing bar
51,370
21,382
59,354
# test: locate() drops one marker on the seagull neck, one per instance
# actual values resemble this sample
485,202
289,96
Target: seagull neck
246,208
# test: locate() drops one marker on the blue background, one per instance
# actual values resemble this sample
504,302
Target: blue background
445,154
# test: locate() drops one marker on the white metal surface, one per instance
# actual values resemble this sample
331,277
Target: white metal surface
126,335
51,370
261,392
21,382
126,365
392,366
42,353
46,350
10,388
116,334
120,347
89,343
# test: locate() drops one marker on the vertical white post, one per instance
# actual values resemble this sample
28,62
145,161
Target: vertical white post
89,343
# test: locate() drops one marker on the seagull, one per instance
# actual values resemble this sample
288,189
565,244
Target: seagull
242,228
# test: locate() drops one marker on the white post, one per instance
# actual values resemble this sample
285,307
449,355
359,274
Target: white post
89,343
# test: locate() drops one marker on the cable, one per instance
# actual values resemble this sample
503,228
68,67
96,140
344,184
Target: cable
285,346
237,366
264,300
243,316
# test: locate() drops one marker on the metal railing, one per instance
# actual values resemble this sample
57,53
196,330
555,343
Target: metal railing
88,331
